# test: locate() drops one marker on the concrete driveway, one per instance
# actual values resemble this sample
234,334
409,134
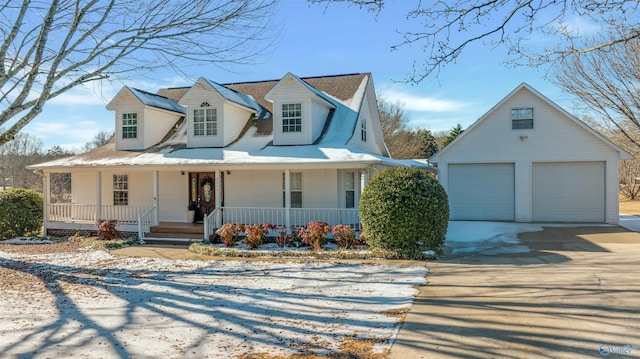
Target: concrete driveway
573,292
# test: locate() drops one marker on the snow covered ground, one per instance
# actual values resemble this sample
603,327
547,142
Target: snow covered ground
94,305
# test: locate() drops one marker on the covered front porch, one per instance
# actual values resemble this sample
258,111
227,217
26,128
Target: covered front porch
140,199
142,220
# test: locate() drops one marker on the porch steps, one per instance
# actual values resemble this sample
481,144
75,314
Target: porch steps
177,232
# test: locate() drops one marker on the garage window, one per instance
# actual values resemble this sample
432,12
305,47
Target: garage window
521,118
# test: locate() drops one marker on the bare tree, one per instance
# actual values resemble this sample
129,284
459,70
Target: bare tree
14,156
401,140
607,83
629,173
446,28
101,138
49,47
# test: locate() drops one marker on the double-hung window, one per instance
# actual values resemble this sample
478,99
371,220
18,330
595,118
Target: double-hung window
363,130
295,189
205,121
120,190
521,118
350,189
129,125
291,117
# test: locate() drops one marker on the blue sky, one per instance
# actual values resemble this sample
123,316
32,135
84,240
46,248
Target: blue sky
314,40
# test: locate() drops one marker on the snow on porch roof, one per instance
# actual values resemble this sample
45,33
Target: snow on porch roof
250,151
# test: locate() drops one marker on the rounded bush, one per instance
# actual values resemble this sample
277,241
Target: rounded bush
405,211
21,213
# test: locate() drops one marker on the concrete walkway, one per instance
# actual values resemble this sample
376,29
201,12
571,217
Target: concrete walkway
575,294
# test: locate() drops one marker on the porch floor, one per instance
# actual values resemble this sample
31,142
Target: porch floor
175,232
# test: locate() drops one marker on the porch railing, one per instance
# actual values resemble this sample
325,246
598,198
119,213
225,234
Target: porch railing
300,217
211,222
88,213
145,221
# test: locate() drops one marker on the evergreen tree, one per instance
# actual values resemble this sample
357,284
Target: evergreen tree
455,132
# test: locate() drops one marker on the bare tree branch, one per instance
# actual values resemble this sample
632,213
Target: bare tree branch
448,27
50,47
608,84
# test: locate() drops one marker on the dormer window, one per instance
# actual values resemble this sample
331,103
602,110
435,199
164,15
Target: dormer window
363,130
129,125
205,121
521,118
292,117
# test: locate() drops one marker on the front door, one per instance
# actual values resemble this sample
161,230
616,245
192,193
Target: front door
202,193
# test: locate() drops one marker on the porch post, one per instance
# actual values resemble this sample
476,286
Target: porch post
287,198
156,217
98,196
46,194
218,195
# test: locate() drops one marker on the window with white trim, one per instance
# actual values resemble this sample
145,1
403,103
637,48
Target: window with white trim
205,121
349,189
120,190
363,130
521,118
291,117
295,188
129,125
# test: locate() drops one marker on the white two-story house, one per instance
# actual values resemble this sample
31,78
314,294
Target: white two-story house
286,152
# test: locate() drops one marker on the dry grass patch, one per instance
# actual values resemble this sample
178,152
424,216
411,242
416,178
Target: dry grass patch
350,348
628,206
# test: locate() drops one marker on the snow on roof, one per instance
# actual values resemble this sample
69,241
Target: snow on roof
236,97
158,101
252,148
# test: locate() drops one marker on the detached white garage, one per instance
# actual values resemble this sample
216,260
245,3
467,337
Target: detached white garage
528,160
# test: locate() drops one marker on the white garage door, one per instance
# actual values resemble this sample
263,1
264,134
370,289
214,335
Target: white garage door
569,192
482,191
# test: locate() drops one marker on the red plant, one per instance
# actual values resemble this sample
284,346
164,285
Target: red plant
315,234
344,236
229,233
255,234
283,238
107,229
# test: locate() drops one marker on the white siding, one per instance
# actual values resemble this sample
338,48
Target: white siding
292,94
198,94
140,187
128,103
235,118
264,188
368,110
173,196
554,138
319,188
157,124
314,113
253,189
83,187
319,115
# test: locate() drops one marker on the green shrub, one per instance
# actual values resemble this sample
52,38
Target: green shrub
403,210
21,213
